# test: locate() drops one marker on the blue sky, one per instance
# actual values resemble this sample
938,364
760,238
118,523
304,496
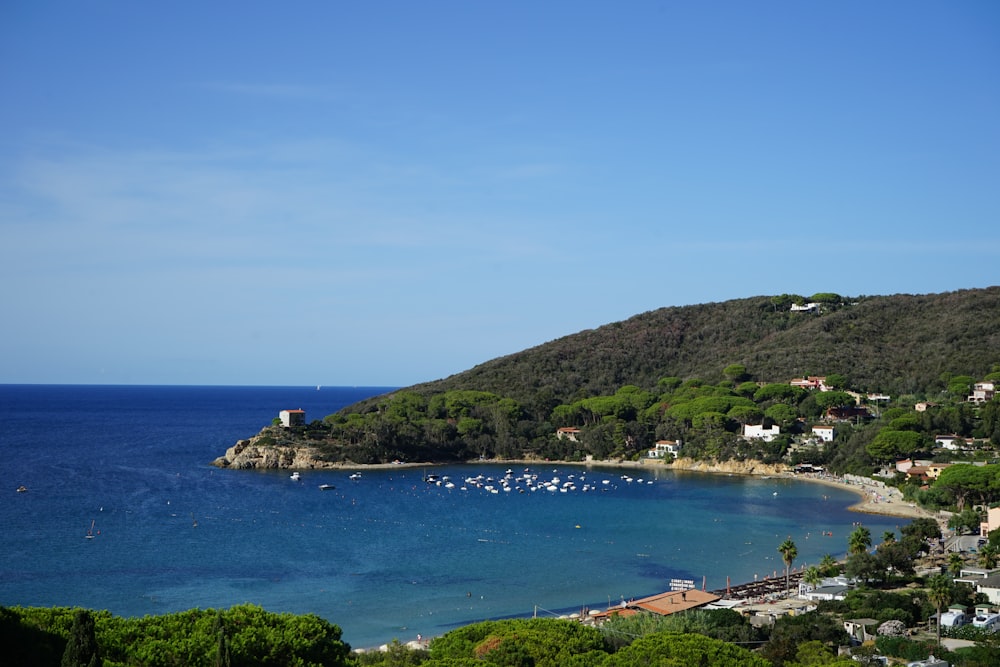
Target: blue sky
385,193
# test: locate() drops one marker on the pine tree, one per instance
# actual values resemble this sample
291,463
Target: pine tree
81,647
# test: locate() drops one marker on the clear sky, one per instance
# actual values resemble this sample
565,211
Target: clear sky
384,193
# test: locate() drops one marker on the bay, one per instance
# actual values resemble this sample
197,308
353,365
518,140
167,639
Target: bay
384,556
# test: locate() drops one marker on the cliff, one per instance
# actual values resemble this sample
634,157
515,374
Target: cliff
261,453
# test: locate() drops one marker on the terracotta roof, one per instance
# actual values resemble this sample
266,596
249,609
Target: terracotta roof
672,602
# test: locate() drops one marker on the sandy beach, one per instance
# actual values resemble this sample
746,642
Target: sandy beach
875,496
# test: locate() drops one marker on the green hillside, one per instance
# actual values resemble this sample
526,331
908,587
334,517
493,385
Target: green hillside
699,374
895,344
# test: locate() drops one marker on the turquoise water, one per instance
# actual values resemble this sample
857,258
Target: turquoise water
386,556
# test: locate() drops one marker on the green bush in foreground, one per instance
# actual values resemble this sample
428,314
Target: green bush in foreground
242,636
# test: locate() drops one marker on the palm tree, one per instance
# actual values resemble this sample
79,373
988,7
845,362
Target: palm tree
859,541
939,594
988,556
788,552
955,563
888,537
813,576
829,566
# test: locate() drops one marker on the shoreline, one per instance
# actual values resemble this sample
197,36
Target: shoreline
875,497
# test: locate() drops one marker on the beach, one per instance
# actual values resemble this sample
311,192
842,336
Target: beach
876,496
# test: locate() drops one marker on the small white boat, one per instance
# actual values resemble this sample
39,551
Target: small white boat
355,476
326,487
295,476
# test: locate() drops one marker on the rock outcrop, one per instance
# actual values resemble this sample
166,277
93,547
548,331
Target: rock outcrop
261,453
750,467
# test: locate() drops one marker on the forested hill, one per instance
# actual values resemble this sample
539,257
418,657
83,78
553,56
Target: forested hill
901,344
697,375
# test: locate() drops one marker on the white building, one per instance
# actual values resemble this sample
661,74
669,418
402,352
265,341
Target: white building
759,432
292,417
665,448
824,433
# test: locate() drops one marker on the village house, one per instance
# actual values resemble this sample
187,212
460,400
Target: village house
291,418
925,471
824,433
990,587
665,448
811,382
952,442
758,431
924,406
883,398
982,392
847,413
810,307
570,433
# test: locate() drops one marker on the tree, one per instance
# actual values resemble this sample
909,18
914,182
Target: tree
964,482
864,566
955,563
669,649
894,557
735,372
81,647
836,380
939,594
789,552
829,566
988,556
968,520
923,529
790,632
859,541
889,444
813,576
833,399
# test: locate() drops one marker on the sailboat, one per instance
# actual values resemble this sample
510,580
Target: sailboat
90,533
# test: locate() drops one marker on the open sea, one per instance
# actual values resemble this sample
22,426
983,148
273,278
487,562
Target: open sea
386,556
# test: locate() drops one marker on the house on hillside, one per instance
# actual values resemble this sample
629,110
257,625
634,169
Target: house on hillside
990,587
291,418
982,392
925,471
810,307
811,382
924,406
846,413
570,433
824,433
757,431
952,442
665,448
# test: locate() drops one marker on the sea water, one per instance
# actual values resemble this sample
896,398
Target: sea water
124,512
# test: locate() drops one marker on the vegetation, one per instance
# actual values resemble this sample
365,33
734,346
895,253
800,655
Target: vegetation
698,374
242,635
695,375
